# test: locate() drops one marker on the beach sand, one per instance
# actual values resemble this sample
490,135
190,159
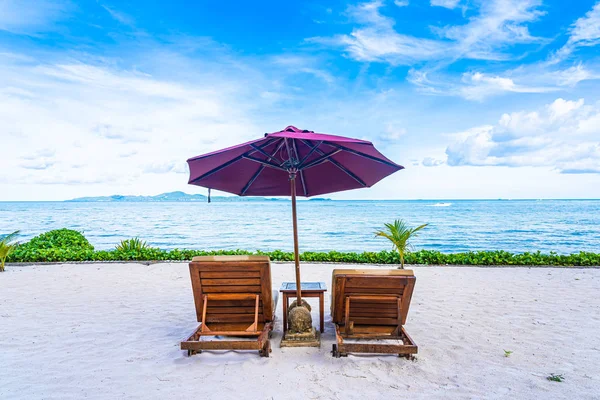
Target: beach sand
112,331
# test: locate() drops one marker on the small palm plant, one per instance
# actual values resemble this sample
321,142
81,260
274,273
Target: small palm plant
7,246
399,234
134,244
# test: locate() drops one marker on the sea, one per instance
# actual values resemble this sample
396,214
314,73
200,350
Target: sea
562,226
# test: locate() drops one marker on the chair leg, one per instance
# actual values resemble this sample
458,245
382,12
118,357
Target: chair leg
266,350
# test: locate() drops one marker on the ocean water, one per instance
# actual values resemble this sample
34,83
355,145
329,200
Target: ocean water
564,226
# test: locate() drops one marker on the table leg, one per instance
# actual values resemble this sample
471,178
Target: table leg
322,311
285,312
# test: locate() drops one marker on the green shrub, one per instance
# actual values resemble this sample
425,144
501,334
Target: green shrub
59,239
134,244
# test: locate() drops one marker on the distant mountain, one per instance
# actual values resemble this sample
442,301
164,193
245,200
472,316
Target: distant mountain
172,196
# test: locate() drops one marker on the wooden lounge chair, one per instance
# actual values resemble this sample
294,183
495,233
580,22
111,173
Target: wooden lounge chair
233,298
371,304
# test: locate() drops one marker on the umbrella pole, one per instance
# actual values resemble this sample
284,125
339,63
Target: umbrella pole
296,251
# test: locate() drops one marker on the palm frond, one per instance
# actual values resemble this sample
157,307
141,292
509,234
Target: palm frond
399,233
9,238
7,246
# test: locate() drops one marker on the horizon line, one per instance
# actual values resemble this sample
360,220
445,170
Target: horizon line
300,199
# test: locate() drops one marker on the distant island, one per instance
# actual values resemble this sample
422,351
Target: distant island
177,196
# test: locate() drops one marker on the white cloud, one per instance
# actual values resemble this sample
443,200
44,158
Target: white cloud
401,3
302,64
41,164
445,3
119,16
500,24
564,135
534,78
392,133
31,16
106,130
179,167
432,162
584,32
114,124
377,39
478,86
492,33
561,109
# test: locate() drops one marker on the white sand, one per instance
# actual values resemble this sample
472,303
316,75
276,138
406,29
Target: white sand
112,331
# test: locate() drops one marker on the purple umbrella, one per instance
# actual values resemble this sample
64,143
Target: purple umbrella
292,162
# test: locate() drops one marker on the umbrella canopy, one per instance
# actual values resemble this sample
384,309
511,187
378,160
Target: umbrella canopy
292,162
323,164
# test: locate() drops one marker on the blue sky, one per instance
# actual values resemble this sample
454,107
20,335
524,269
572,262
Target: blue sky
477,99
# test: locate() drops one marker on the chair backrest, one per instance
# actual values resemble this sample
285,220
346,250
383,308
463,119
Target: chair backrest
232,275
374,295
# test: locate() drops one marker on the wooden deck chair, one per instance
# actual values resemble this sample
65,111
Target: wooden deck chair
233,298
371,304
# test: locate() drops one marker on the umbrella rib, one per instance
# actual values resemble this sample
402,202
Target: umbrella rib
341,167
260,169
225,165
251,181
301,174
217,169
312,150
303,183
261,151
348,172
324,157
358,153
263,162
201,157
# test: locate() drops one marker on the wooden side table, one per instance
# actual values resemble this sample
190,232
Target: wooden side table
309,289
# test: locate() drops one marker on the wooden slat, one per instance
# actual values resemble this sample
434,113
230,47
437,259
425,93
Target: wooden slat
373,314
222,345
231,289
374,306
233,318
338,299
374,330
231,303
374,321
388,282
267,294
239,266
366,290
230,296
374,298
376,348
232,326
230,274
229,310
231,282
406,297
197,292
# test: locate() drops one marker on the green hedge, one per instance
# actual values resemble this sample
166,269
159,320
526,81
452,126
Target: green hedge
383,257
65,245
